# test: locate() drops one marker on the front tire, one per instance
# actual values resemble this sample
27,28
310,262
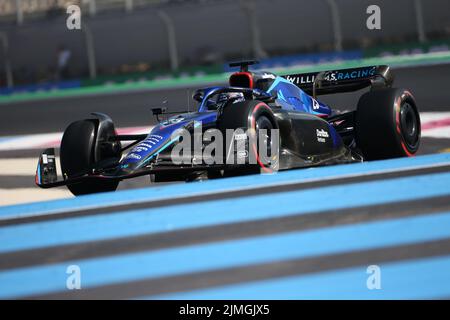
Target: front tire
78,156
387,124
254,115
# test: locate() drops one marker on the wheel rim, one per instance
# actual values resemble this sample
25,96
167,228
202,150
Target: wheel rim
409,125
263,123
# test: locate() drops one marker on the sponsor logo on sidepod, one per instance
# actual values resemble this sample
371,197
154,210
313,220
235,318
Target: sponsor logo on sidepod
322,135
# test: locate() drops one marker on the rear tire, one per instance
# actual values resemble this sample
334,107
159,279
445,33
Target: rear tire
78,156
387,124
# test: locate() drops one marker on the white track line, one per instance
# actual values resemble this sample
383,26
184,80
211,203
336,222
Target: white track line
435,125
50,140
426,117
19,167
29,195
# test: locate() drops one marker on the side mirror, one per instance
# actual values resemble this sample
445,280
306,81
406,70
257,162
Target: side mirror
198,96
158,111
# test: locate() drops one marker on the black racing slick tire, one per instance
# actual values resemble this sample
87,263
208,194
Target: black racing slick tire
256,115
387,124
78,156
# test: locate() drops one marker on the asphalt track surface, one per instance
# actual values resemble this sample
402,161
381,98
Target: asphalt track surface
231,238
429,84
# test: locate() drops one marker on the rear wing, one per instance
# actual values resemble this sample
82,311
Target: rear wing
343,80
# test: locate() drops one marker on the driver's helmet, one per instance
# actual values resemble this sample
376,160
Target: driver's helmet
226,97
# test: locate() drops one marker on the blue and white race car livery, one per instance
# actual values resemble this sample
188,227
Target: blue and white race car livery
276,123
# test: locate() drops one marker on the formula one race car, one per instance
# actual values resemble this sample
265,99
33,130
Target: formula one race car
298,131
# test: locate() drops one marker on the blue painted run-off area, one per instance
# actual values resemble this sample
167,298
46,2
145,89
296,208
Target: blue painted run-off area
420,277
